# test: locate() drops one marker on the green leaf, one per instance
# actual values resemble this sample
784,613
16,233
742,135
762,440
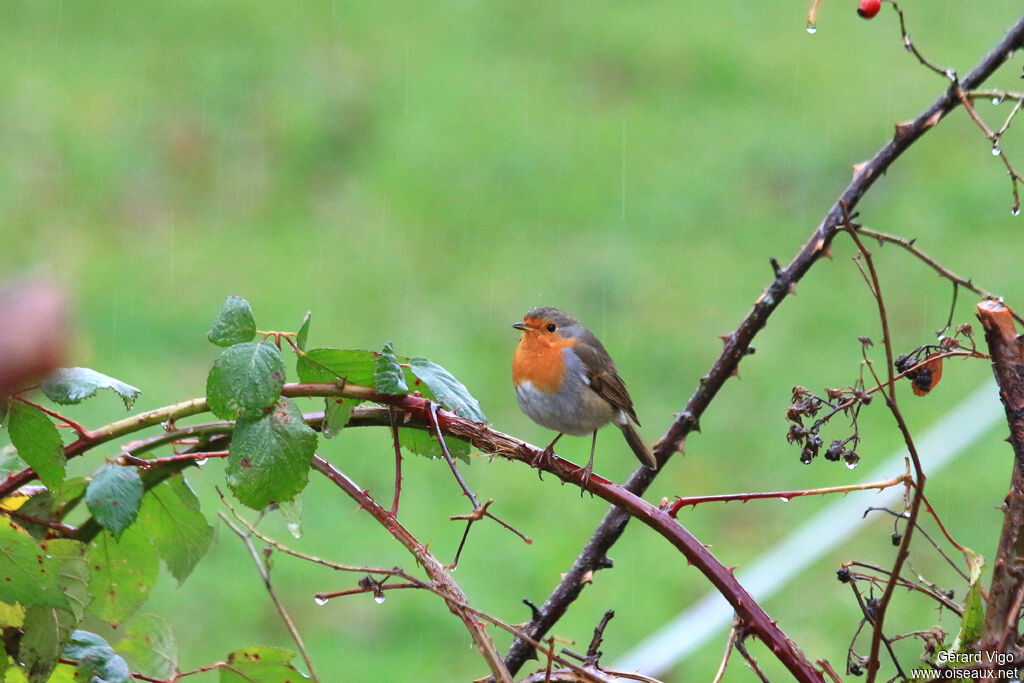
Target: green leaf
388,376
97,661
972,626
122,573
74,573
269,458
234,324
303,333
170,516
46,629
113,497
38,442
42,641
151,646
425,443
336,415
355,366
449,392
261,664
245,381
28,573
71,385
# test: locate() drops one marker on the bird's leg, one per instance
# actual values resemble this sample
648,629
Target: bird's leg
545,455
589,469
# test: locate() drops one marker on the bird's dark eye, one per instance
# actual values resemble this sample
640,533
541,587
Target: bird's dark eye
551,327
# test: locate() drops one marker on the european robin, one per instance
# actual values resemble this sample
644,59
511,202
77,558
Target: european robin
566,381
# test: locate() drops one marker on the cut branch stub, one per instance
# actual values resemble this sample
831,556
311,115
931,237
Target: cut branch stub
1007,350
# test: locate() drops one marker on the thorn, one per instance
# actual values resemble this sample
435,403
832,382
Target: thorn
776,268
902,127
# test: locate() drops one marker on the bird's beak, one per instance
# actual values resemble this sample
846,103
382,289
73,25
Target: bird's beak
519,325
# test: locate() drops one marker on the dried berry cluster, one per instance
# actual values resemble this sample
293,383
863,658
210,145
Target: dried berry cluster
807,405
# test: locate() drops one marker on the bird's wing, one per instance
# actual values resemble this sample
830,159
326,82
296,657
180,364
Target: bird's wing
607,383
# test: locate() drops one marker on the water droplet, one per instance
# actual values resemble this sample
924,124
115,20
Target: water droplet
201,461
378,598
784,499
295,529
996,100
1015,211
812,29
851,464
167,425
320,600
995,150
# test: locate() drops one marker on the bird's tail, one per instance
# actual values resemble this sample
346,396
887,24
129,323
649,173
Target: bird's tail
643,453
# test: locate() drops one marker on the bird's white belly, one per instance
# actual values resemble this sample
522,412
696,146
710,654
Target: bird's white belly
576,412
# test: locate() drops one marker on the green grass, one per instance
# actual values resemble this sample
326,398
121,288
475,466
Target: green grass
425,173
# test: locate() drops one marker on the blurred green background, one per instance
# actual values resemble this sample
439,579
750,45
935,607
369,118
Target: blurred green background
425,173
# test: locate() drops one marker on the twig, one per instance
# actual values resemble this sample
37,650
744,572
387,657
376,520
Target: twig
264,569
594,649
784,496
82,431
909,245
150,463
398,461
730,642
479,511
397,571
443,583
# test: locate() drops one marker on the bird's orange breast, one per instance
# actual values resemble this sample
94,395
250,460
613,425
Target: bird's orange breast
538,360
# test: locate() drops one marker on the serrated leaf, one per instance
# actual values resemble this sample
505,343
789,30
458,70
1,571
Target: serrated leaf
355,366
72,385
245,381
388,376
234,323
261,664
97,661
38,442
303,333
170,516
113,497
122,573
269,458
151,646
425,443
336,415
449,392
28,574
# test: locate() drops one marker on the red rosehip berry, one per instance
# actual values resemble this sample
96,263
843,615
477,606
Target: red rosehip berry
869,8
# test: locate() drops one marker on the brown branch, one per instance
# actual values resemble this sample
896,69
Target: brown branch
1007,351
737,344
